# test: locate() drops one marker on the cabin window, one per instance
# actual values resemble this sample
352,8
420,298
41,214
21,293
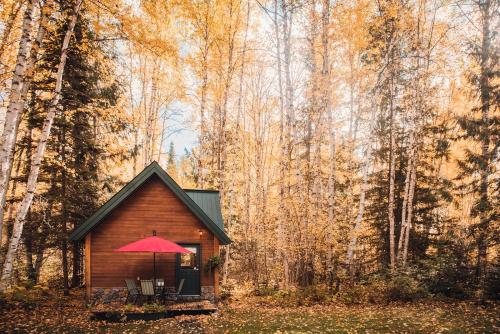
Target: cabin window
188,261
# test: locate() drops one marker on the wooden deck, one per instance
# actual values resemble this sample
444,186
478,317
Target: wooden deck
118,313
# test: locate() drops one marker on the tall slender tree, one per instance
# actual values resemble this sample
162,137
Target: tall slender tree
37,159
482,127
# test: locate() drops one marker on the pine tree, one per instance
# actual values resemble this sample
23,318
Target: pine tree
172,162
482,127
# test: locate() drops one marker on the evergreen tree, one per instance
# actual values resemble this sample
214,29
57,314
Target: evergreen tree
172,163
482,127
75,151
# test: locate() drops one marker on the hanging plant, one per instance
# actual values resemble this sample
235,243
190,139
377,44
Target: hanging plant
213,262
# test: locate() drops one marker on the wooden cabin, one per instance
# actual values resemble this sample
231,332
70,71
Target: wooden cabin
153,201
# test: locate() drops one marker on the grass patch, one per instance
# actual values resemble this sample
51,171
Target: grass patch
409,318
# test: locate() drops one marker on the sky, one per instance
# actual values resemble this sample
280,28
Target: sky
184,139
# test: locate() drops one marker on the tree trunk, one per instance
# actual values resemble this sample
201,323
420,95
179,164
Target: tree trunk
37,159
203,101
227,257
291,126
37,44
30,270
222,173
14,109
392,174
362,196
327,103
133,111
485,205
282,213
64,255
11,210
39,261
64,209
411,193
408,180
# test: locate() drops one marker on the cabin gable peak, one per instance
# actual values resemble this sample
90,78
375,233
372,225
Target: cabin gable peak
210,215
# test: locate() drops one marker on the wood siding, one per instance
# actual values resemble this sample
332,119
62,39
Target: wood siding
88,281
152,207
216,271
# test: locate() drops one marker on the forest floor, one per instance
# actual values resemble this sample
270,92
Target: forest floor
59,314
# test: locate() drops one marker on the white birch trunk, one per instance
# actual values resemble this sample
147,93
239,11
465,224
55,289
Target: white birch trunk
37,159
392,175
282,213
405,196
325,22
411,193
30,67
204,88
364,187
14,109
227,258
37,44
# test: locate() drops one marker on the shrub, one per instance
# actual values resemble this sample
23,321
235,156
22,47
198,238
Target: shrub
265,290
313,294
19,296
404,287
28,284
372,292
226,290
129,308
153,308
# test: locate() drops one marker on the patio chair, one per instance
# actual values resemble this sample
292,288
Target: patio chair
176,294
147,289
133,291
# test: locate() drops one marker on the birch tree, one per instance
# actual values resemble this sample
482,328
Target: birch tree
231,190
282,214
364,188
14,109
327,103
38,157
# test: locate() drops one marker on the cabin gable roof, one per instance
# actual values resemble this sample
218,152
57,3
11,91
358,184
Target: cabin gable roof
204,204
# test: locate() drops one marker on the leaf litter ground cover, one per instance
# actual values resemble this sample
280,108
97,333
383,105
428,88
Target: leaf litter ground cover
59,314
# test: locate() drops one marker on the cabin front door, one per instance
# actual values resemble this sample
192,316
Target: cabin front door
188,268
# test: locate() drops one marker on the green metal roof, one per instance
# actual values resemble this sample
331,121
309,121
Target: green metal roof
208,201
201,203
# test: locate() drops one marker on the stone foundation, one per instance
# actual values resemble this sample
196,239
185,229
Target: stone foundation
208,293
109,295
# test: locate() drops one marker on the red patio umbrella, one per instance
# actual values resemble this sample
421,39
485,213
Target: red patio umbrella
153,245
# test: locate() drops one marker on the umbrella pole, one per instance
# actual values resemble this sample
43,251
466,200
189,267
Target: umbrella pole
154,268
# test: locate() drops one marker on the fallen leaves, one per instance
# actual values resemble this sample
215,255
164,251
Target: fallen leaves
59,314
